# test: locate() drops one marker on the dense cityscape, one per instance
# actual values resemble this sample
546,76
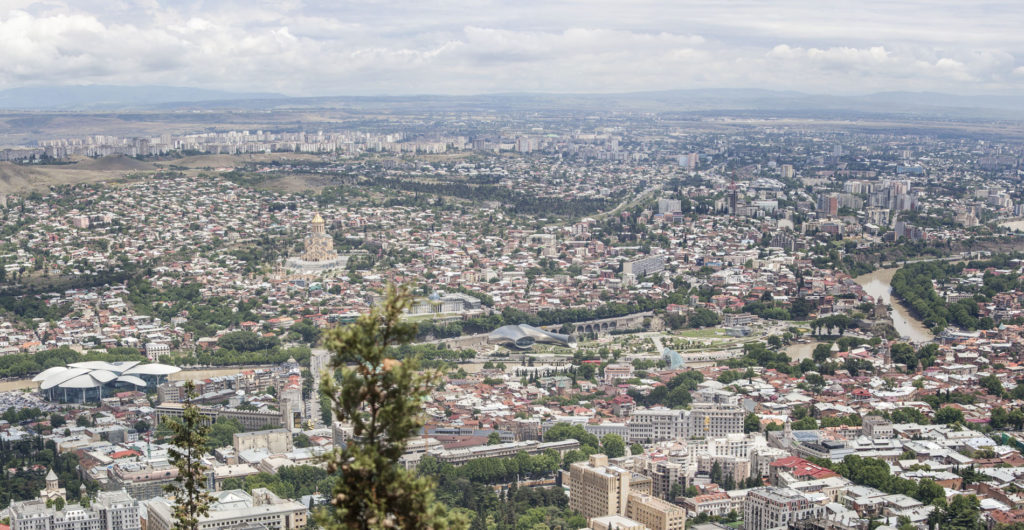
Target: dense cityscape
642,324
450,265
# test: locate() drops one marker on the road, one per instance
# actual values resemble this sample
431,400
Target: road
627,202
658,346
313,403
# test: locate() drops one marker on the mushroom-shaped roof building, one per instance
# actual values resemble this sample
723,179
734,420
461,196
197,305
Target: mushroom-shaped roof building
523,337
84,380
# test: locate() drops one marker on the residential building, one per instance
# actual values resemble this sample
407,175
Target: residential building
772,507
597,489
251,420
615,522
110,510
273,441
877,427
655,513
458,457
714,420
644,266
234,508
669,206
656,425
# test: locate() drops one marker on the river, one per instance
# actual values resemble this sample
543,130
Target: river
877,285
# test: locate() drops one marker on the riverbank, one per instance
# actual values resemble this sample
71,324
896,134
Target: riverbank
799,351
877,284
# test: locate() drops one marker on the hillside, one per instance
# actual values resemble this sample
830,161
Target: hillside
113,163
18,178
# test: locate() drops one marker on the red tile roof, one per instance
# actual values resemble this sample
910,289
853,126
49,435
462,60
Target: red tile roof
802,468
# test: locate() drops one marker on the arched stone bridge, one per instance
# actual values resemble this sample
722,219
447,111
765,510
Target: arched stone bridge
604,325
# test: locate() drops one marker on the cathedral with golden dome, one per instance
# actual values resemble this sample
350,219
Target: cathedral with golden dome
319,245
319,254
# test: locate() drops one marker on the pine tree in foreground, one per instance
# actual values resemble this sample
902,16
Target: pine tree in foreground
191,501
381,398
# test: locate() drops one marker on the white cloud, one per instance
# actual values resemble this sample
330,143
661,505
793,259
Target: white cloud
308,48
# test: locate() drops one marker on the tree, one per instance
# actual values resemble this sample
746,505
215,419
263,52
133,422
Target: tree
57,420
822,352
222,432
751,423
999,418
947,415
141,426
908,415
565,431
494,438
928,490
636,449
806,423
613,445
716,473
903,353
962,513
992,385
1016,419
702,318
188,445
307,330
382,399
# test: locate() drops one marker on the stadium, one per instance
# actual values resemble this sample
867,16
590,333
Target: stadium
91,381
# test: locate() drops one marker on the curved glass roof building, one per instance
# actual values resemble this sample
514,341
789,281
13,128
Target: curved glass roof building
94,380
524,336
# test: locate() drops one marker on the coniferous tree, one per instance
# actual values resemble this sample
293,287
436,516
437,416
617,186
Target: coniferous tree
191,500
381,398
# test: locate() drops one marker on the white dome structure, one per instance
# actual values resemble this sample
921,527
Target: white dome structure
524,336
92,380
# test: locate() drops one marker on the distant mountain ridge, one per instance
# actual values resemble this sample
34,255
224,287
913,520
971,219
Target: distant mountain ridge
113,97
163,98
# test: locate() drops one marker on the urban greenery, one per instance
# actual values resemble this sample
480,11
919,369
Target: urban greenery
381,398
188,445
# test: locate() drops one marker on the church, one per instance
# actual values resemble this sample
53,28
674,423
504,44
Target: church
319,254
53,489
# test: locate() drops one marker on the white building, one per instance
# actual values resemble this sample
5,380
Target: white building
155,349
235,507
111,510
766,508
656,425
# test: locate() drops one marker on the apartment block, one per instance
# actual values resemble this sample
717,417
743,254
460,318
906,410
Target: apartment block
656,425
597,489
111,510
235,508
655,513
766,508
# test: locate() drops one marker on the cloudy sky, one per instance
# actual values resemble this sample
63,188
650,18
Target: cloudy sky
371,47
